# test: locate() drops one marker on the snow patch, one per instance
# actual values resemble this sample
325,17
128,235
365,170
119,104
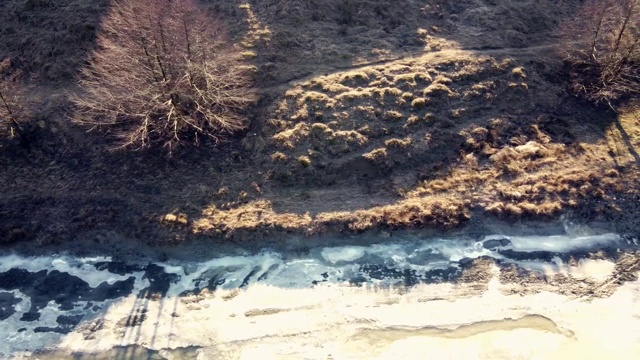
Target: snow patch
329,267
557,243
82,268
343,253
233,269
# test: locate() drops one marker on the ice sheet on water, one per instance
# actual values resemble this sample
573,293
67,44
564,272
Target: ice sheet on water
405,253
419,258
233,269
456,250
342,253
86,271
31,264
20,335
557,243
17,334
335,262
82,268
303,273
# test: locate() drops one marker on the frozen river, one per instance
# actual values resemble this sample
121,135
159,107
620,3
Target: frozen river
376,301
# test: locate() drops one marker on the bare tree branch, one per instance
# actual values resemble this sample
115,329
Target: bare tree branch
163,72
601,48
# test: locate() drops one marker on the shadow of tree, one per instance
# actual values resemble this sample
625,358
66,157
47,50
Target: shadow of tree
631,148
48,41
312,37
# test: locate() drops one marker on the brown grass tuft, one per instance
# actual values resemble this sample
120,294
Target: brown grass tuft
437,89
398,143
377,155
419,102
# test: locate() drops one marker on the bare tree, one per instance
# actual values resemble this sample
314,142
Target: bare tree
602,47
163,72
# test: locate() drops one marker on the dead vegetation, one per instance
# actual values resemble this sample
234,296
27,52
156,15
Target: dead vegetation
178,78
259,218
386,114
505,157
370,118
601,45
516,171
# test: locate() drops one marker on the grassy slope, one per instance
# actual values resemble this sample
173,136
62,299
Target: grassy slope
373,116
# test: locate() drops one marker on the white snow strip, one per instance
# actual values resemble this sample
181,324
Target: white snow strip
233,268
343,253
82,268
561,243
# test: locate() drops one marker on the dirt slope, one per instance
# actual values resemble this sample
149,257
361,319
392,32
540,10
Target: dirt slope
374,116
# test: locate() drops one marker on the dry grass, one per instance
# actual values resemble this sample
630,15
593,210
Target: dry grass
546,189
413,132
507,165
257,33
376,104
377,155
539,179
624,137
419,102
259,217
398,143
438,89
252,216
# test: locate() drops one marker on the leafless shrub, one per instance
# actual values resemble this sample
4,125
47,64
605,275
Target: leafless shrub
602,48
163,72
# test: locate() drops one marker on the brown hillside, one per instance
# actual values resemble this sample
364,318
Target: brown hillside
374,115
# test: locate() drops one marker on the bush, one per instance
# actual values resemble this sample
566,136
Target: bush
163,72
602,49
